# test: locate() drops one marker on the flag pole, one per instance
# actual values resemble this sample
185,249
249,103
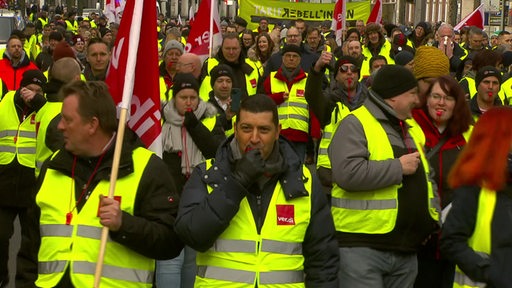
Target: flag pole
125,105
210,43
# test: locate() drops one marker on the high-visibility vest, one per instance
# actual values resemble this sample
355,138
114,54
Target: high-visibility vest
72,26
43,21
339,112
294,112
365,66
76,246
251,81
240,257
43,118
16,139
480,241
375,212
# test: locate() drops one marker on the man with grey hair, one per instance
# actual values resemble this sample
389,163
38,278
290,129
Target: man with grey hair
445,42
293,37
475,40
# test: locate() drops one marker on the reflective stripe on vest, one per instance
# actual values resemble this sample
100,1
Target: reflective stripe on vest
293,112
375,211
265,278
76,245
338,113
43,118
480,241
81,267
247,246
251,80
17,140
272,258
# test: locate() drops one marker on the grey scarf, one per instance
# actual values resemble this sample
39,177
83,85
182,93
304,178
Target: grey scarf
176,138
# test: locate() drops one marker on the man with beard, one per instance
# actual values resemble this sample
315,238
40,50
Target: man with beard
14,63
246,75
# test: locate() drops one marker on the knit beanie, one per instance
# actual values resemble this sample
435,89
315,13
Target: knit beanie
487,71
404,57
33,77
507,59
430,62
55,36
184,81
425,26
172,44
291,48
220,70
393,80
62,50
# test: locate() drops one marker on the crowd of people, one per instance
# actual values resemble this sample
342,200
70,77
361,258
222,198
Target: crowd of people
408,126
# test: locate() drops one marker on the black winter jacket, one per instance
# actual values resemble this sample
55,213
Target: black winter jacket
203,216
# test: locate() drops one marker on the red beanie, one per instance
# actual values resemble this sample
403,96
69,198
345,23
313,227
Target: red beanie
62,50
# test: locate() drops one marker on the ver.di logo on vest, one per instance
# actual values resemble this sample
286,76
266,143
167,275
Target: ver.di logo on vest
285,214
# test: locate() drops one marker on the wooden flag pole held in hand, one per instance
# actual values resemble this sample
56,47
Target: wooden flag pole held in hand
129,79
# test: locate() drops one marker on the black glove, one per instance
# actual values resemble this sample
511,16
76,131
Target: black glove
190,120
249,168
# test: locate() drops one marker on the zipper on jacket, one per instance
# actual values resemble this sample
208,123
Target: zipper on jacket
258,203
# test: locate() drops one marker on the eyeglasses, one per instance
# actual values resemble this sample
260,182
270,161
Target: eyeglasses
293,35
352,68
446,98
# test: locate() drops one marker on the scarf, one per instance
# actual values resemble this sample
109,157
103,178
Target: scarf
176,139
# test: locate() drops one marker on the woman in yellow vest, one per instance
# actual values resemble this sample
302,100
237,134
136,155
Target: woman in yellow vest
476,234
191,133
446,121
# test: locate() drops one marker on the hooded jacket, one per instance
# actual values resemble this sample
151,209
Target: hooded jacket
12,75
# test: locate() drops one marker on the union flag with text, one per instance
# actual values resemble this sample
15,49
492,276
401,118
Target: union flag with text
135,56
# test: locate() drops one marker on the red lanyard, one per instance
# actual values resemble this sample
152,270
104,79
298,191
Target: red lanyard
69,215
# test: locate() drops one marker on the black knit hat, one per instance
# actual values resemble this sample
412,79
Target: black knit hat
487,71
393,80
220,70
33,77
291,48
184,81
240,21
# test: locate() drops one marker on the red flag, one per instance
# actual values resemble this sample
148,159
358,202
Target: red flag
133,72
476,18
114,10
338,19
206,22
376,14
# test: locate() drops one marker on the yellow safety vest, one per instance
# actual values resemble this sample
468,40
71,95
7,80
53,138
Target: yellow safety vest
375,212
72,27
16,139
241,257
294,112
43,118
164,97
502,94
339,112
76,246
384,51
43,22
251,81
480,241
